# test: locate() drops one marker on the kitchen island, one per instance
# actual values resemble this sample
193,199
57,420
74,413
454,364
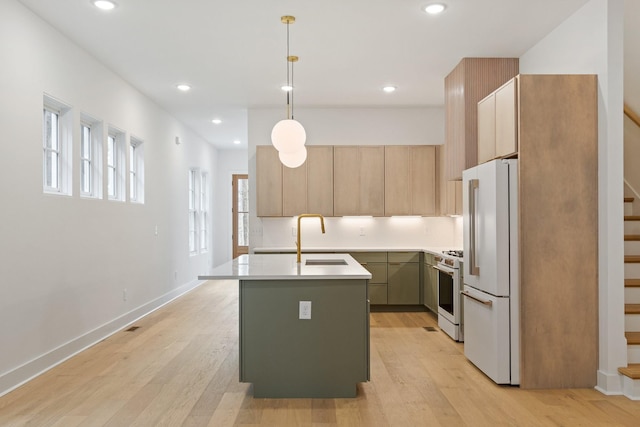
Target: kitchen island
304,327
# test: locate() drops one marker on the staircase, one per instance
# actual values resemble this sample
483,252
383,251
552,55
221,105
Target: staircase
631,380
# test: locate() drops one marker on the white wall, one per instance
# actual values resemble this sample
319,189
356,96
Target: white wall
230,162
354,126
64,260
591,42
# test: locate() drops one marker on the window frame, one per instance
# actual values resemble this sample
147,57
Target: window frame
136,170
115,164
63,151
95,158
204,213
193,211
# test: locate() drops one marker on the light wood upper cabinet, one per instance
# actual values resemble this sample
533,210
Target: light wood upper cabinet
268,181
497,123
469,82
487,129
410,180
506,119
358,180
294,189
320,179
450,191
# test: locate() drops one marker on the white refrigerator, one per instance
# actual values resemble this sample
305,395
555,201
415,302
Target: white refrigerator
491,286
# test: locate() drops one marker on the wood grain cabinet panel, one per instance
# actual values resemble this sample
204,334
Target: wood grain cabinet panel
268,181
506,127
320,179
410,180
487,129
450,200
358,180
558,230
294,190
497,123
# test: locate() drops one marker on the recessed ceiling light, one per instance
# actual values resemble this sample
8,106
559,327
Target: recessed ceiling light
434,8
389,89
104,4
216,121
183,87
237,142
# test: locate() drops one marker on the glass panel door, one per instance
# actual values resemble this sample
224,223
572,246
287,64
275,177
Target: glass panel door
240,215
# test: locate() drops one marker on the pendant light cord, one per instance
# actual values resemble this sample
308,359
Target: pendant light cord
289,114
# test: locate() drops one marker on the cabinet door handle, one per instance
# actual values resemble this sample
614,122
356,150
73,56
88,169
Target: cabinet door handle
363,263
394,263
481,301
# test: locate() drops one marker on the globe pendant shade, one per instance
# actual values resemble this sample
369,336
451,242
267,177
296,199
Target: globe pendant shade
295,159
288,136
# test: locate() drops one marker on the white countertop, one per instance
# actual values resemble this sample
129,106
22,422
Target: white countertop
433,250
285,267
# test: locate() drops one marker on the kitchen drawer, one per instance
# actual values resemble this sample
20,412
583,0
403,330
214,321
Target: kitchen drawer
378,271
362,257
429,258
377,293
404,256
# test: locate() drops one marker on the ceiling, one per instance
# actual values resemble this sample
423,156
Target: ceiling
233,52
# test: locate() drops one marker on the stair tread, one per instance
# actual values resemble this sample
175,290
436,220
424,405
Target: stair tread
628,199
632,309
633,338
632,371
631,237
631,283
632,217
631,258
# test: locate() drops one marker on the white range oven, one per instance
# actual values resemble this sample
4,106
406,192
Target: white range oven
450,317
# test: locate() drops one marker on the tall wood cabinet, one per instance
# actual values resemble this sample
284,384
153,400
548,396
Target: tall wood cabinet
556,117
469,82
410,180
358,180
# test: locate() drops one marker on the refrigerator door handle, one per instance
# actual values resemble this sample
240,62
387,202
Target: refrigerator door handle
474,269
473,297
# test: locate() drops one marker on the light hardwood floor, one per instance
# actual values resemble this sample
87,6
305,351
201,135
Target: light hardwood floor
180,368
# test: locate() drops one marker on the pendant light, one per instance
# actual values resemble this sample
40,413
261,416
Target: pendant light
288,136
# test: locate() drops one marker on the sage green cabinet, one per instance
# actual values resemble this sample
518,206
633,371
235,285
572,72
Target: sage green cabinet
376,264
430,283
403,278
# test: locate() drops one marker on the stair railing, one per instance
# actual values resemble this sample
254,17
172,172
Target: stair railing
632,115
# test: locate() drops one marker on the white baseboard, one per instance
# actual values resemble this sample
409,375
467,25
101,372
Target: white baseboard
16,377
609,384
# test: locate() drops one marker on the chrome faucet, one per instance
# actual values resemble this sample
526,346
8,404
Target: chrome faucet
298,234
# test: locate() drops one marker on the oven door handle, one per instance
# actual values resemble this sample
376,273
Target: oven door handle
475,298
443,270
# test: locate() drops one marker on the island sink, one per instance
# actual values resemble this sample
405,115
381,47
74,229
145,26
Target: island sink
325,262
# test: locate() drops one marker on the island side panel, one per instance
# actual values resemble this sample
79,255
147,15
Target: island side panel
284,356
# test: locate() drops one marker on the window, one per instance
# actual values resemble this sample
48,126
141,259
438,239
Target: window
56,145
204,213
240,185
136,171
90,157
193,212
115,165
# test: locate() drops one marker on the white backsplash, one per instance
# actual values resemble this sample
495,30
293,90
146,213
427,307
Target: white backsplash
359,232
